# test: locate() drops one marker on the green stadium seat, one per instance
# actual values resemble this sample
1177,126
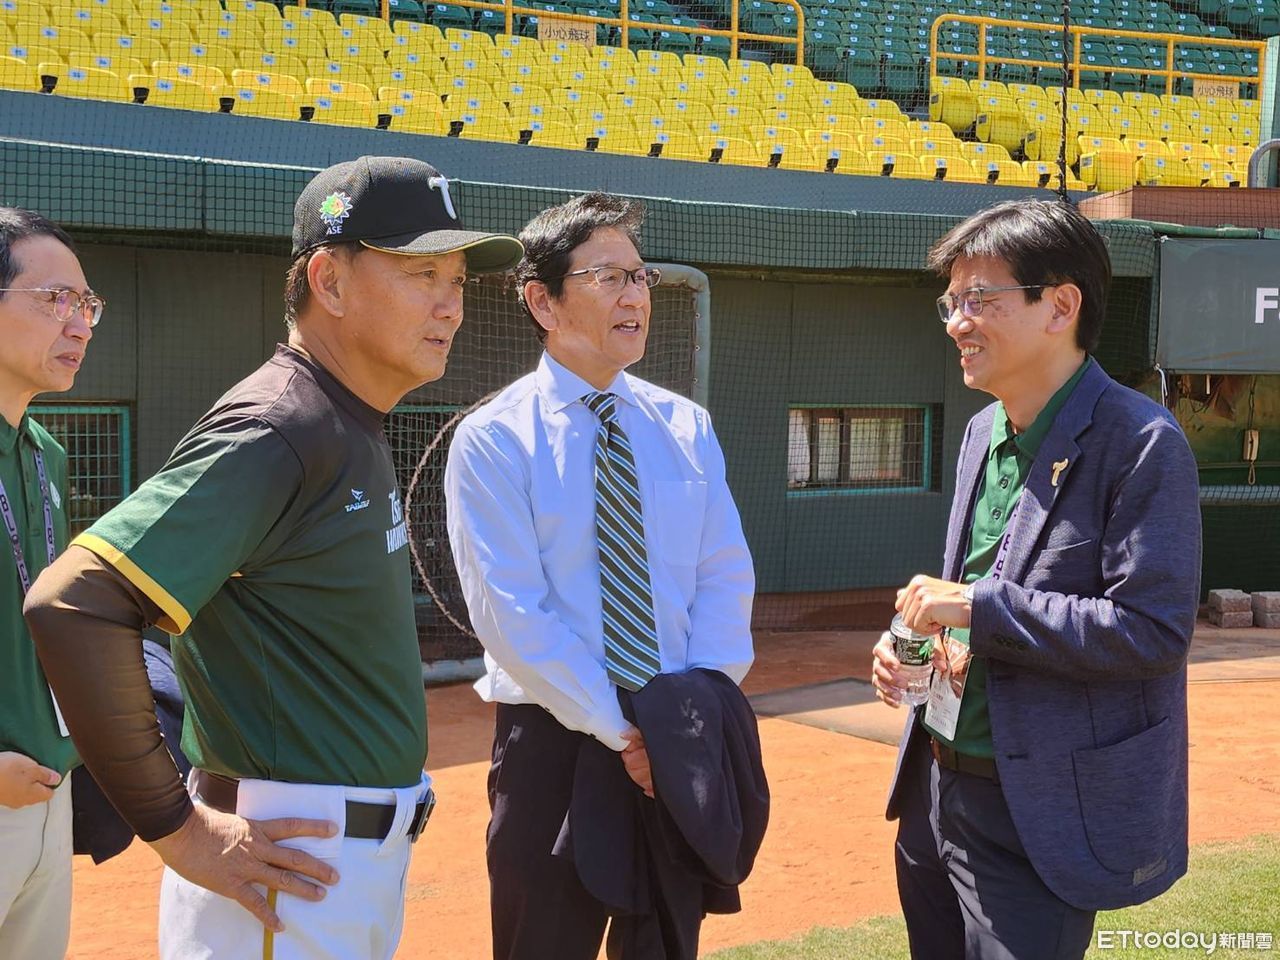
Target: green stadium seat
410,10
862,69
445,15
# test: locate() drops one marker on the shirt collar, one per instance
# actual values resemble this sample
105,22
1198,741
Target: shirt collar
1028,442
561,387
26,428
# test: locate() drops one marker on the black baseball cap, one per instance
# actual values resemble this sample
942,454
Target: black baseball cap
396,204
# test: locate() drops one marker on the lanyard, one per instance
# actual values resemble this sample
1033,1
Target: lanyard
1002,551
11,525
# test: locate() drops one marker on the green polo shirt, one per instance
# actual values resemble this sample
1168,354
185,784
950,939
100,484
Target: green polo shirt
275,543
27,722
1009,460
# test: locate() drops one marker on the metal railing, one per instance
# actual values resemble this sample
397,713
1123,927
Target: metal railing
626,25
1076,65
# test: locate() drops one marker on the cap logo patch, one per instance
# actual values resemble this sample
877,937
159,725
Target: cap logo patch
335,208
441,184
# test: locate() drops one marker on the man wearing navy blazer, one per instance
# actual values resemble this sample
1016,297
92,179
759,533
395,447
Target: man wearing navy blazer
1055,784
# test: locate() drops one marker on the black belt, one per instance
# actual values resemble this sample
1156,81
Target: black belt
365,821
963,762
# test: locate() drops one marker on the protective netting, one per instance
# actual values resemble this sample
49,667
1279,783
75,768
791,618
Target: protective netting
815,341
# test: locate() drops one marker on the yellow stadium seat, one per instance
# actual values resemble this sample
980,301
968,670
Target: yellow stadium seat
1229,153
923,147
367,57
261,9
1223,177
1166,172
960,170
266,80
736,151
478,68
496,127
985,152
664,59
170,10
165,29
792,70
549,133
85,16
885,109
101,61
408,95
17,74
340,111
842,140
423,44
374,26
615,137
837,98
202,75
87,82
1103,99
420,31
801,158
122,45
871,143
952,102
1008,173
691,112
281,63
33,56
205,55
1042,173
902,165
236,34
313,15
895,127
514,93
306,44
319,87
62,39
526,115
931,130
858,164
999,121
1109,170
264,102
754,69
182,94
583,104
566,56
1148,148
683,147
340,70
417,117
703,62
467,87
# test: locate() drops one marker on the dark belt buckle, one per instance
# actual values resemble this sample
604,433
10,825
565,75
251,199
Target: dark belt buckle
422,815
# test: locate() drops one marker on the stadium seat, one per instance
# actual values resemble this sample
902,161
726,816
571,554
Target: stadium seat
1163,171
1108,170
17,74
549,133
736,151
201,74
495,126
952,102
87,82
101,61
182,94
415,117
319,87
265,80
340,111
140,48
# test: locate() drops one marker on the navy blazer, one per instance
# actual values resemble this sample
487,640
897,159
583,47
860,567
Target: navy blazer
1087,637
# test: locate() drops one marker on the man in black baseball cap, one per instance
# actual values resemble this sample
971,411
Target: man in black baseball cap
273,545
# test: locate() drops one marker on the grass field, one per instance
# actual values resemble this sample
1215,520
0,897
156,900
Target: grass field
1230,888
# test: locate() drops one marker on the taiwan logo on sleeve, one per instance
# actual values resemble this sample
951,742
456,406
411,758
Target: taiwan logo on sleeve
358,502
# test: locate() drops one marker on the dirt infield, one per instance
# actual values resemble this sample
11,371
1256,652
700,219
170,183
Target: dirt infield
827,858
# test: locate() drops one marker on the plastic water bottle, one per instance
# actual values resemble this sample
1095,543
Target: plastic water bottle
914,651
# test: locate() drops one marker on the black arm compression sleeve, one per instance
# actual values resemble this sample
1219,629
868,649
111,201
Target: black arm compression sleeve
86,620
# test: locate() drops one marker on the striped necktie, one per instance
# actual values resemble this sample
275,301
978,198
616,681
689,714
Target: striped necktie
626,599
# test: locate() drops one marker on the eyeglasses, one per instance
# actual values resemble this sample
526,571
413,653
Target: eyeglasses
971,302
66,302
614,279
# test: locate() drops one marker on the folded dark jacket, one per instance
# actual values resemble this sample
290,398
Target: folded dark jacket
661,865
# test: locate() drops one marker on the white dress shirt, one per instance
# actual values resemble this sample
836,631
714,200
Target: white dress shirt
520,495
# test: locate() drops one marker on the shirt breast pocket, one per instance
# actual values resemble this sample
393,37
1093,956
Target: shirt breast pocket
680,506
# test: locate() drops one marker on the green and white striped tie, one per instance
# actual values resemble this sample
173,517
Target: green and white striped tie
626,598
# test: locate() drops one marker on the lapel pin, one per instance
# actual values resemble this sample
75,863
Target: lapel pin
1058,467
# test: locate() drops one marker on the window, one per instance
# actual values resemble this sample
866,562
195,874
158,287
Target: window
859,448
99,456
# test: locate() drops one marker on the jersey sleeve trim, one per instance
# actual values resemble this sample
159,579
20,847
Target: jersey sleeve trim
176,619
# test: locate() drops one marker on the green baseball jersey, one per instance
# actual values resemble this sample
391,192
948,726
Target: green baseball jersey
1009,459
28,723
275,543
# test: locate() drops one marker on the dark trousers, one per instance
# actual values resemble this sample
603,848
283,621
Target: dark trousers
539,908
968,890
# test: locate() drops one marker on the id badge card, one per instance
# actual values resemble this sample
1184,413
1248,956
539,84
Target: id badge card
57,712
946,689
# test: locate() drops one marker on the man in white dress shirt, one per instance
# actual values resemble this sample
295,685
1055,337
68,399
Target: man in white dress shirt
597,544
